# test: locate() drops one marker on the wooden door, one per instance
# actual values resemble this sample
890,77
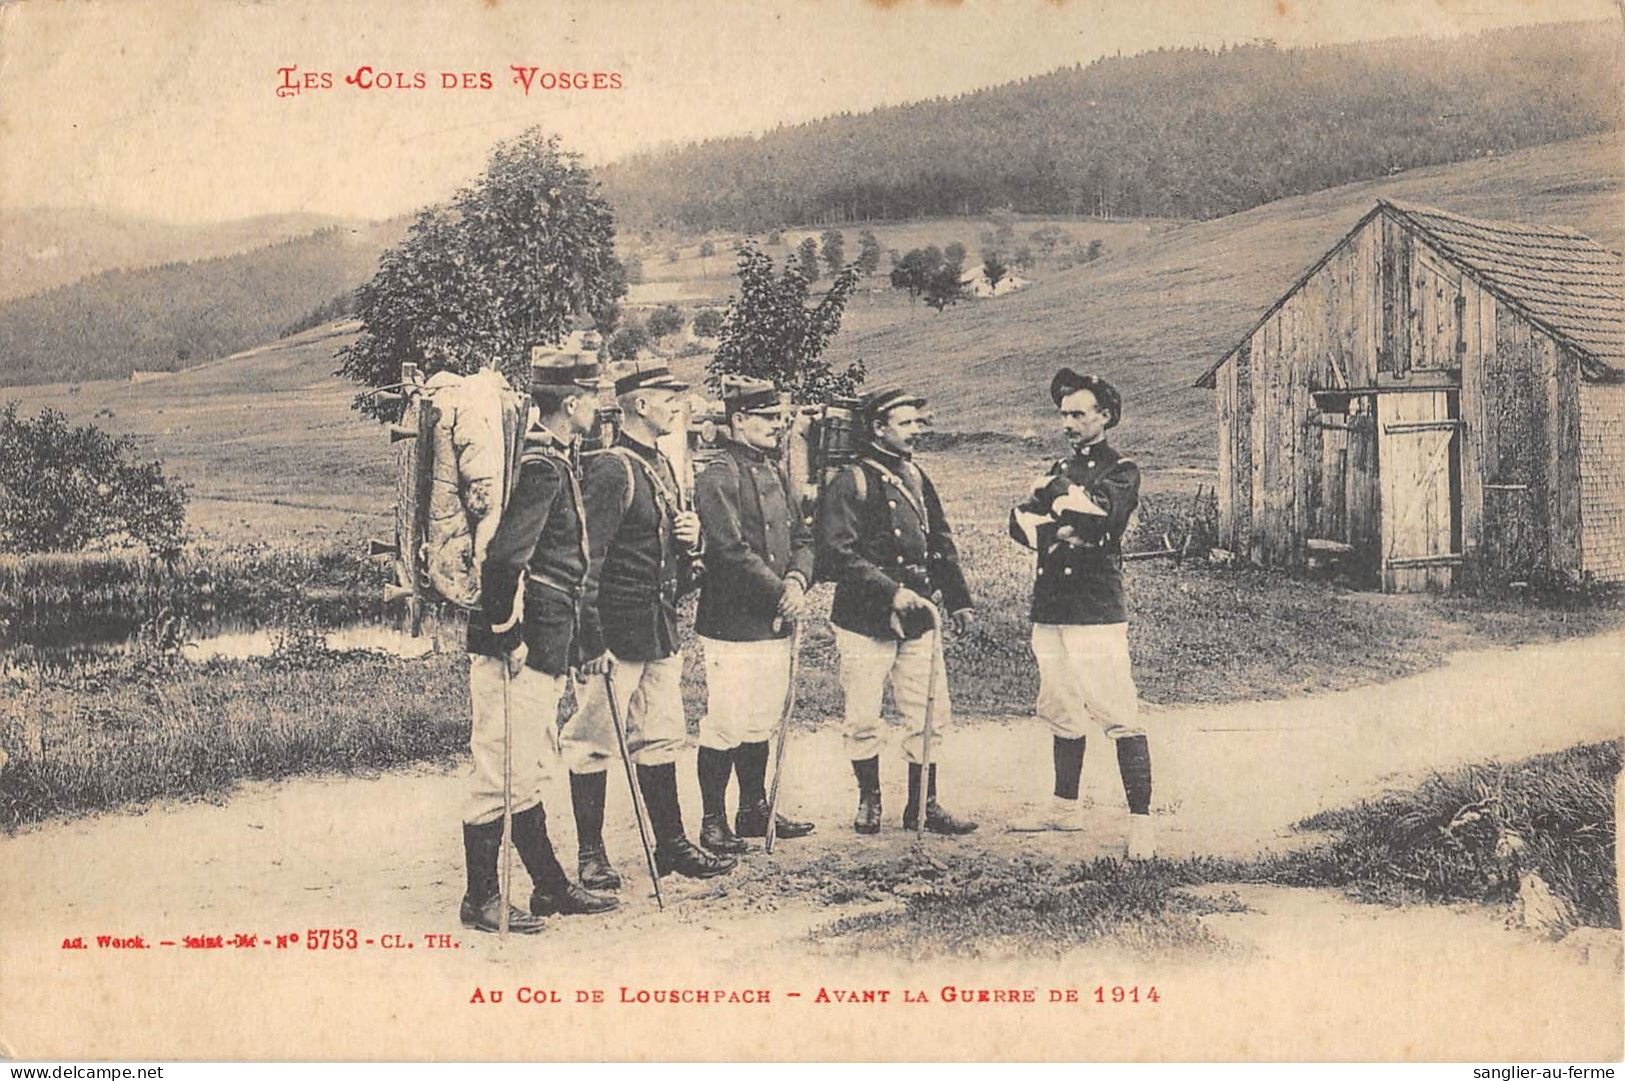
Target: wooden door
1341,530
1419,461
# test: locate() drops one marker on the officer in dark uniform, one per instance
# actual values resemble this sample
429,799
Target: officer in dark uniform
884,540
1075,519
643,547
531,573
759,563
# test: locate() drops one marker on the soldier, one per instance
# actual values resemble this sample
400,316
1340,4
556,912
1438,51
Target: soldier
759,563
643,548
529,579
1075,520
886,543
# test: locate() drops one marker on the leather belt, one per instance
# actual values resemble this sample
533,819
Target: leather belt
569,590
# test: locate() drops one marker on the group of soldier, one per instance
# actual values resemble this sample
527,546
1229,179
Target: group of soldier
583,577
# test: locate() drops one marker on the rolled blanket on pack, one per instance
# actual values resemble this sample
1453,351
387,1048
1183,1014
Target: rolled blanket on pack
473,459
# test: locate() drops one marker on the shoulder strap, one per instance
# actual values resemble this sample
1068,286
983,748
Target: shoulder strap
625,458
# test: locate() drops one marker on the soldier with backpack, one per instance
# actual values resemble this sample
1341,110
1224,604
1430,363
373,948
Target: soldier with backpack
644,544
521,636
884,540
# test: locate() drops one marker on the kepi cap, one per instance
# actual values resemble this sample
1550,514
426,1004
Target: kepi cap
646,377
1067,381
574,362
743,394
877,403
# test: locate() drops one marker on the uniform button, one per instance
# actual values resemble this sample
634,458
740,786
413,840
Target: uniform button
892,503
897,532
1066,570
899,559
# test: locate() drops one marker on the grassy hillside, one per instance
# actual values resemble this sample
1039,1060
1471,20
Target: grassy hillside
1153,317
44,247
270,444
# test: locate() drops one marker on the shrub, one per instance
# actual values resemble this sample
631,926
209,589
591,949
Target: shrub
66,489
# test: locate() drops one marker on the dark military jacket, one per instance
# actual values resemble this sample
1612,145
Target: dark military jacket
754,540
1080,556
881,532
636,568
536,562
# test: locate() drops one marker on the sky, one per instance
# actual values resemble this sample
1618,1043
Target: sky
170,109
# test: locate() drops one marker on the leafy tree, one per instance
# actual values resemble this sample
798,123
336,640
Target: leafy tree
66,488
915,270
1004,222
625,343
1094,251
834,250
517,254
769,332
667,319
868,253
807,259
954,253
774,239
707,322
943,287
994,268
1023,258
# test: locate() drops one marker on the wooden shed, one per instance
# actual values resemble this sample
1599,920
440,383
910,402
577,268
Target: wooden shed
1437,402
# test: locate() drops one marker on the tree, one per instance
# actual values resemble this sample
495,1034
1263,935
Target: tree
994,268
769,332
1047,238
626,342
914,270
634,269
707,322
1094,251
507,265
944,287
954,253
65,488
807,259
667,319
1023,258
868,253
834,250
774,239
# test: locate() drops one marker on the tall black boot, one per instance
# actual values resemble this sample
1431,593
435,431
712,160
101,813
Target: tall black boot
750,761
587,800
1068,755
552,891
714,768
1134,763
867,771
482,904
937,820
673,851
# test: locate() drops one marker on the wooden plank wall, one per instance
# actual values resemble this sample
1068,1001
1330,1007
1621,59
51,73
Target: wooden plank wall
1602,480
1478,334
1560,375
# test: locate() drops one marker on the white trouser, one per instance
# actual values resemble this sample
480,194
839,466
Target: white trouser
866,663
533,699
1085,680
651,703
745,684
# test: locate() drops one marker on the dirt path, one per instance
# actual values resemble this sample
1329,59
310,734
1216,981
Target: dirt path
1310,975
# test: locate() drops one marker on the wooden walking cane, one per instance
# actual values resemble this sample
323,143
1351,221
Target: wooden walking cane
930,709
784,736
639,811
507,800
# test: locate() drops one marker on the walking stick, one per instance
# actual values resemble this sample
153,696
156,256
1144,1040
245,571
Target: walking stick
639,812
930,709
784,736
507,800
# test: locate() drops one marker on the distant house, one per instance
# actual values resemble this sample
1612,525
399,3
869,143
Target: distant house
974,283
1437,402
139,376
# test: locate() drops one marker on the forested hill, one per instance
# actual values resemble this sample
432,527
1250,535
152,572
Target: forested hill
168,317
1184,133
